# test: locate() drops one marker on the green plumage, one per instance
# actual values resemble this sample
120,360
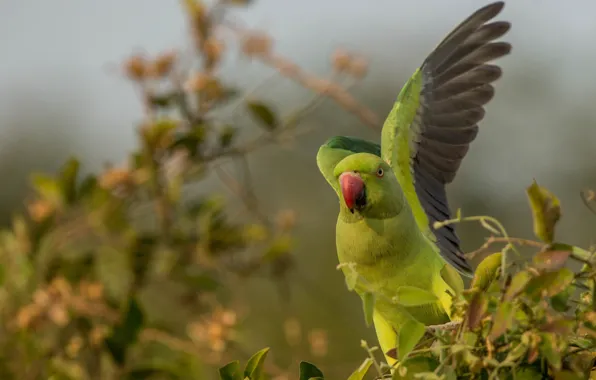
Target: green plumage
391,194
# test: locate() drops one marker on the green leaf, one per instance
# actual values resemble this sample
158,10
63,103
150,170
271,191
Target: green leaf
263,114
69,179
359,373
309,371
48,188
517,285
551,260
114,269
503,320
410,334
549,350
413,296
487,270
125,333
477,310
546,211
254,367
368,304
231,371
549,284
408,369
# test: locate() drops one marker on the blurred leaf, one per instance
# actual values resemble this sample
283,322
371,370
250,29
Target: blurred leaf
125,333
517,285
48,188
263,113
162,100
413,296
361,371
486,271
201,280
549,350
309,371
551,260
87,186
226,136
560,301
69,179
231,371
546,211
368,304
503,320
114,270
477,310
549,284
410,334
254,367
415,365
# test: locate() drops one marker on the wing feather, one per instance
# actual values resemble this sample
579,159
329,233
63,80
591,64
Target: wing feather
429,130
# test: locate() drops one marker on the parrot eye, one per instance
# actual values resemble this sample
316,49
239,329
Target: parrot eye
380,172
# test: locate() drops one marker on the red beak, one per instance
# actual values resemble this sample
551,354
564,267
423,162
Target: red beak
351,188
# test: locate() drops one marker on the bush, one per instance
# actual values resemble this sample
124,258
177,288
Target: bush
124,273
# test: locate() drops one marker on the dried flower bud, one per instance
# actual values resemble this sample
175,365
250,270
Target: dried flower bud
228,318
286,219
197,82
58,315
341,60
26,315
358,67
218,345
213,49
114,177
61,287
74,346
215,331
41,298
97,334
162,65
318,342
293,331
256,44
40,210
136,67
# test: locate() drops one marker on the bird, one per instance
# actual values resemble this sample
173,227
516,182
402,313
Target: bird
391,194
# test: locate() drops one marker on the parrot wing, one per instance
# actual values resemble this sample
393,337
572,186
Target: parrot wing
435,118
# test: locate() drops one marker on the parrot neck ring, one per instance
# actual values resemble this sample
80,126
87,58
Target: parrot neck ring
353,191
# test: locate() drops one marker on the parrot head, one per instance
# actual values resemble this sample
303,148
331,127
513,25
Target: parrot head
367,186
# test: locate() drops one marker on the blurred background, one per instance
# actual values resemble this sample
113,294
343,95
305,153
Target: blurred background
61,94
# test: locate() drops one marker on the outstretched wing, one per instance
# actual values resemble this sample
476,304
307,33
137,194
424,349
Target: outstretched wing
436,116
336,149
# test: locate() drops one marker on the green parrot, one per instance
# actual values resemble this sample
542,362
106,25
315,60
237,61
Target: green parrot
390,195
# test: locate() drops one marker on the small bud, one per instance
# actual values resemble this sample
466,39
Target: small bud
162,65
197,82
58,315
286,219
318,342
74,346
213,49
40,210
114,177
228,318
256,44
341,61
358,67
136,67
